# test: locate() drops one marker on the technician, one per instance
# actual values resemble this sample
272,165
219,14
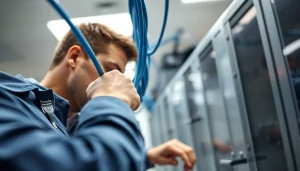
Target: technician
105,136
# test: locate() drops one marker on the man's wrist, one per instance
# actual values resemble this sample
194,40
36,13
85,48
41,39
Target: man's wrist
149,164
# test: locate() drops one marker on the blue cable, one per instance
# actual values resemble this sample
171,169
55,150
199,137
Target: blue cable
139,17
152,51
78,34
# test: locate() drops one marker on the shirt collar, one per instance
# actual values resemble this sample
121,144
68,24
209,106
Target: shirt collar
17,84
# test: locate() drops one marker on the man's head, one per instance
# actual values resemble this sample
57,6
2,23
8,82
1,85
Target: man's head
113,51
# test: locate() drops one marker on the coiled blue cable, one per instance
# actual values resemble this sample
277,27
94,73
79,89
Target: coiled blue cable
78,34
139,19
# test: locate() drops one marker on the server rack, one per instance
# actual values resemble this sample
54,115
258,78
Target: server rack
238,94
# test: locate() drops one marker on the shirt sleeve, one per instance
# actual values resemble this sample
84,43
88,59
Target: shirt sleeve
107,138
73,123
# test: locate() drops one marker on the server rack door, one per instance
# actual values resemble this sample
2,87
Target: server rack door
179,105
181,112
198,119
215,109
258,94
283,26
288,21
239,149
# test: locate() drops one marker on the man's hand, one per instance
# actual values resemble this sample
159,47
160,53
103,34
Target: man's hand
166,154
117,85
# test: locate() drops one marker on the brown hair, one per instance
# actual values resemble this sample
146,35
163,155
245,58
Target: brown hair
99,37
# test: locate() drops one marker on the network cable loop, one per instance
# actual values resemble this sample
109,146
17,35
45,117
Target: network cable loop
139,19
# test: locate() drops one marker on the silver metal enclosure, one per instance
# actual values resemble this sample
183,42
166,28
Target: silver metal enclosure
235,100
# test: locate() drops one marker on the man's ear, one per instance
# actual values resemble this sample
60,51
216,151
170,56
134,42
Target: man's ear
74,53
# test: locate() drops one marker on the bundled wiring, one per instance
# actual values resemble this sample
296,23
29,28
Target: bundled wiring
139,17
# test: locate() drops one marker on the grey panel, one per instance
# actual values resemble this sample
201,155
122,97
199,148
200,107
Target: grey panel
261,110
283,29
263,132
198,119
178,116
181,112
215,109
230,98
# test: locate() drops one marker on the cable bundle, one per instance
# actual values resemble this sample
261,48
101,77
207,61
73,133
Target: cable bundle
139,17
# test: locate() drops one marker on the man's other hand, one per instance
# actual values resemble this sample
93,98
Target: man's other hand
166,154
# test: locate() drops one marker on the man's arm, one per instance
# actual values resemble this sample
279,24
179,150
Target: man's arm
107,138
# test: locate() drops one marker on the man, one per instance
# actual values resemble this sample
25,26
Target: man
33,133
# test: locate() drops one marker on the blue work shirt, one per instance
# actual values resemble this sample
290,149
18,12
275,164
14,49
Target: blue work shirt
107,136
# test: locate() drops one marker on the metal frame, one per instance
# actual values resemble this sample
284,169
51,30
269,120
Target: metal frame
238,84
243,8
290,109
207,126
221,86
281,86
194,125
201,57
228,13
244,127
274,83
275,86
241,99
186,109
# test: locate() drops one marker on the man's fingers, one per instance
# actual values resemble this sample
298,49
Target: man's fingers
189,150
177,151
169,160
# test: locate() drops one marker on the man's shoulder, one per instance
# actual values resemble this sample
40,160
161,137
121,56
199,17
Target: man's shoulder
15,84
8,98
15,89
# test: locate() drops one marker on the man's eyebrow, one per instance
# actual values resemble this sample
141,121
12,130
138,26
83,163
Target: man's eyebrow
116,65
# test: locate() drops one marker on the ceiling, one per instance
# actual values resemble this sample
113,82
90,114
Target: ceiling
26,44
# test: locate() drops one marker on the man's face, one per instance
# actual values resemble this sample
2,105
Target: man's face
84,73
